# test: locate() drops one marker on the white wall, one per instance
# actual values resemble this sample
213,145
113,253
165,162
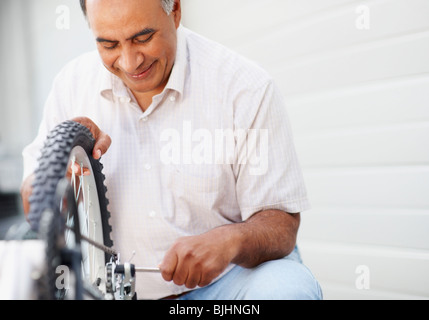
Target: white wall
355,75
38,38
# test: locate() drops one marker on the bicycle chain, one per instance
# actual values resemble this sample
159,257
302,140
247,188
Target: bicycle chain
109,279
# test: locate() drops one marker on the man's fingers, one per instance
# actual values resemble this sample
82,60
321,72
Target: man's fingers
79,171
97,153
76,169
194,261
168,266
181,273
102,140
26,191
86,122
102,144
194,279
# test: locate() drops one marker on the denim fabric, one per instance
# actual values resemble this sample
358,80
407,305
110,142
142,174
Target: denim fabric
283,279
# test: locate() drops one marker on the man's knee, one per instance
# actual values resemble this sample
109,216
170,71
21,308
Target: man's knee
282,279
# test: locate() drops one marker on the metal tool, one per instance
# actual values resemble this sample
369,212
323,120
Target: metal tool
149,270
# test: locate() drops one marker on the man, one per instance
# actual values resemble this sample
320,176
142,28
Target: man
201,171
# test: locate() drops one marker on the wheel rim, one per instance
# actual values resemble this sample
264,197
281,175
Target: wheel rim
89,214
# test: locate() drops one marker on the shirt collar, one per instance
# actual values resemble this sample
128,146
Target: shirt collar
177,78
113,87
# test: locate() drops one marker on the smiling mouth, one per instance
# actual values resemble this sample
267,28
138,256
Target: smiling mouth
142,75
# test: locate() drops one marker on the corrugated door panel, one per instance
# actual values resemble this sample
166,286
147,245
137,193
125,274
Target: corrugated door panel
390,269
330,30
402,228
402,144
407,55
232,21
401,100
340,291
384,187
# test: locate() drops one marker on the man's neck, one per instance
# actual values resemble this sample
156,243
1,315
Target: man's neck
144,100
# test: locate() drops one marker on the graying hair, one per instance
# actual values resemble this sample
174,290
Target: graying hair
167,5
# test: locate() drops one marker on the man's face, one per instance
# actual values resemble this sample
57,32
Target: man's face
136,40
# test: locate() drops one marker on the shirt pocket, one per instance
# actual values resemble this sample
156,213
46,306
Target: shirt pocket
197,191
198,195
195,180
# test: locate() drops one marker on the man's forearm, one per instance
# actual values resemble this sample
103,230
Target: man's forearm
267,235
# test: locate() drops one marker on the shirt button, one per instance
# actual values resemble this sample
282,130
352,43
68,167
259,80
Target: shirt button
144,119
152,214
147,166
172,99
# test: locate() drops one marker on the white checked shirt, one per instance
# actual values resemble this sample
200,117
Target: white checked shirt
165,173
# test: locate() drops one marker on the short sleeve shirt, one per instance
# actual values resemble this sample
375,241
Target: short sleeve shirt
214,148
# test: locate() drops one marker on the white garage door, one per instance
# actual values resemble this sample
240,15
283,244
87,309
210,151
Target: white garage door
355,75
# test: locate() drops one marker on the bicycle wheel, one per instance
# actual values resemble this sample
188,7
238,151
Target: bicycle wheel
67,145
52,229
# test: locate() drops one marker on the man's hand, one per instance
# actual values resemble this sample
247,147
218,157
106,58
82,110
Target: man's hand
102,144
198,260
26,191
102,140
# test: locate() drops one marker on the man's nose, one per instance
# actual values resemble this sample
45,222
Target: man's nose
130,59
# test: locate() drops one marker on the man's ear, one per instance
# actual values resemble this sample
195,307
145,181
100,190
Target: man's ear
177,13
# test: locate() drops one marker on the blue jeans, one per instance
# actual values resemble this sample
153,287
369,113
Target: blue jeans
283,279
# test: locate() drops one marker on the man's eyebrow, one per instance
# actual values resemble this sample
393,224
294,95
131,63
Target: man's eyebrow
144,32
105,40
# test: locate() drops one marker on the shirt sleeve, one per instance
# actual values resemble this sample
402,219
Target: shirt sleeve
267,170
